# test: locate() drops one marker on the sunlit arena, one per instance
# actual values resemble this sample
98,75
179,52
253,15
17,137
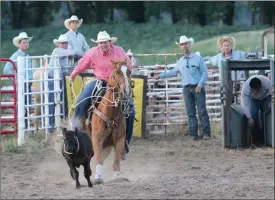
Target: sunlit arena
169,100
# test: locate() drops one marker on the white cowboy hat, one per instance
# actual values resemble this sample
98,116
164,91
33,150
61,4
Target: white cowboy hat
103,36
184,39
73,18
62,38
226,38
129,53
21,36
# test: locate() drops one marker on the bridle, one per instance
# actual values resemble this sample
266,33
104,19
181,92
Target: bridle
116,89
115,100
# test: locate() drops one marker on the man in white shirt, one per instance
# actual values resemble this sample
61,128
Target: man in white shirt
77,41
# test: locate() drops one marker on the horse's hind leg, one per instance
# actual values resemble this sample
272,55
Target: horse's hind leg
88,173
119,147
106,152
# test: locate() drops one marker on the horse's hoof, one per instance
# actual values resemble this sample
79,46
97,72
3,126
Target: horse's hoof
98,181
117,174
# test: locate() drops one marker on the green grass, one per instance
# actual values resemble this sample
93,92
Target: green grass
34,143
141,38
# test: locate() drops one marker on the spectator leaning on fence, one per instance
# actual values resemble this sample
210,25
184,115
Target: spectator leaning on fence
64,55
22,42
256,95
226,45
194,76
76,40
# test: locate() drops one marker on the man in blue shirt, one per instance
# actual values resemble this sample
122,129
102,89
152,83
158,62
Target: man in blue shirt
22,42
227,45
194,75
76,40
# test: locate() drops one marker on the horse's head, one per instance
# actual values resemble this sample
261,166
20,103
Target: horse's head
71,143
120,76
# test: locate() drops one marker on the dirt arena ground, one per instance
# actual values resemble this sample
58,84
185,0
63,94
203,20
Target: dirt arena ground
166,168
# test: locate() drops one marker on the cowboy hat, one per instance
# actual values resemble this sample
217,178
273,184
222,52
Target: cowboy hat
62,38
21,36
184,39
103,36
226,38
73,18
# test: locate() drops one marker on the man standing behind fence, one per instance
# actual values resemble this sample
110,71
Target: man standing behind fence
76,40
227,45
194,76
64,55
22,41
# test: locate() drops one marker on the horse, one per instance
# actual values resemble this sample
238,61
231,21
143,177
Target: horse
36,87
108,122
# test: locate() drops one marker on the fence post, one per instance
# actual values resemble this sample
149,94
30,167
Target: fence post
272,73
21,100
46,94
57,93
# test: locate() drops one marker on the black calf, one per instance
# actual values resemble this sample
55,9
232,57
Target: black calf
77,149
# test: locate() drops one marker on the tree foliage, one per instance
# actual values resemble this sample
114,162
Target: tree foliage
23,14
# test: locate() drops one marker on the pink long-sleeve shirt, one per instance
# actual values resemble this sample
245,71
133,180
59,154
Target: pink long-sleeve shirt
101,62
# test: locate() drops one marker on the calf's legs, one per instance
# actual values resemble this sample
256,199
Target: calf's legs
74,174
88,173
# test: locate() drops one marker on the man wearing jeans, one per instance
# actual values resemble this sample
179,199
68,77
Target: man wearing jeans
256,95
194,76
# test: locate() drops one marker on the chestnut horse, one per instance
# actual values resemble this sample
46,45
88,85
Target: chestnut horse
109,122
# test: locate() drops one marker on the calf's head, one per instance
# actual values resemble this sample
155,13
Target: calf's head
71,143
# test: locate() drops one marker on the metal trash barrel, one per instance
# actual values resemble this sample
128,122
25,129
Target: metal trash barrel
239,135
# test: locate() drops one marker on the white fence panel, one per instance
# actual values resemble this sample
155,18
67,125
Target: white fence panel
34,114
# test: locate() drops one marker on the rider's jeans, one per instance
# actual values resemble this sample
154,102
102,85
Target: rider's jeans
81,109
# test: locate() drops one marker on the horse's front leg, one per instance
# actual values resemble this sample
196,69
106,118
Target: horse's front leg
97,146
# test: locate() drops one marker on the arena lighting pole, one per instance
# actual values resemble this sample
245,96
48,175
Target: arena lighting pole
21,101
